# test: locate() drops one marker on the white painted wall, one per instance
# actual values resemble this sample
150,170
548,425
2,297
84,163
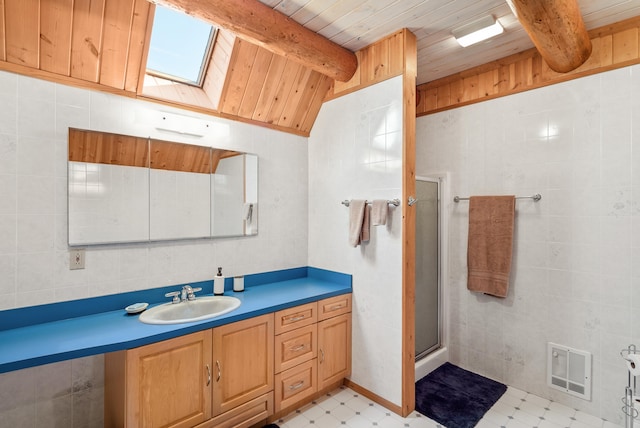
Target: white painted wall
575,276
355,152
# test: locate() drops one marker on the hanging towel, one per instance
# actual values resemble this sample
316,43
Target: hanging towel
364,232
356,217
379,208
491,220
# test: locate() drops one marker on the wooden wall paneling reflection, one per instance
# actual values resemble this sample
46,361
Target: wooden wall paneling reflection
106,148
180,157
115,149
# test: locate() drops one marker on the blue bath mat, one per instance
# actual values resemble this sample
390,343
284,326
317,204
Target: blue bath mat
456,398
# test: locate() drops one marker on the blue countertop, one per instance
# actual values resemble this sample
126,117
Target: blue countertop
30,343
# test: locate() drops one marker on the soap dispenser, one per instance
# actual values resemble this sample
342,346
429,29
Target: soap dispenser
218,283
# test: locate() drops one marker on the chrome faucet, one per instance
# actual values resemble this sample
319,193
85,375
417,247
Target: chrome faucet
186,294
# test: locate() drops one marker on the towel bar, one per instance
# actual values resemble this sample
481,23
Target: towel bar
394,202
535,198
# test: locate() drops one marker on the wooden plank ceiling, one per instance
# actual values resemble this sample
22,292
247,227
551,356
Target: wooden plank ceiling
102,44
97,41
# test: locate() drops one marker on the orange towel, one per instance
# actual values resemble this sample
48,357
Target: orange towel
491,221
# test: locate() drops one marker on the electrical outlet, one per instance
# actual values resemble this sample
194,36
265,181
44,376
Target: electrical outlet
76,259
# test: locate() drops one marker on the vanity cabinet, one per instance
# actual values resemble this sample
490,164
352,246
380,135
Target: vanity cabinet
164,384
313,349
243,371
296,354
334,340
235,375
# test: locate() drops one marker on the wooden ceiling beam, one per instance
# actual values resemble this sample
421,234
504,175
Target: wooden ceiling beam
557,30
266,27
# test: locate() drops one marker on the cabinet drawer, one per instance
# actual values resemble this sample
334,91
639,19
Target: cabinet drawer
245,415
299,316
295,347
334,306
296,384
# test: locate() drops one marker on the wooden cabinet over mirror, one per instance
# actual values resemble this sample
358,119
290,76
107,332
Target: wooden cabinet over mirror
131,189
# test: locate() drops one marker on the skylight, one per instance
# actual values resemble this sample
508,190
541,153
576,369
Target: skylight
180,46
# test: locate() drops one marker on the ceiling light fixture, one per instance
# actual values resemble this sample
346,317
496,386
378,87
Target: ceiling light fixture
477,31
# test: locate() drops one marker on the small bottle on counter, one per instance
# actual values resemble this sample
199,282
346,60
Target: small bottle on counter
238,283
218,283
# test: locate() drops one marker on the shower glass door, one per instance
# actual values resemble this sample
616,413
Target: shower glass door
427,267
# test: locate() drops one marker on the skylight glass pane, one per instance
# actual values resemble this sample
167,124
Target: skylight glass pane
179,46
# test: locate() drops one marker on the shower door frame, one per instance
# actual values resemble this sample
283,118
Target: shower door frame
439,181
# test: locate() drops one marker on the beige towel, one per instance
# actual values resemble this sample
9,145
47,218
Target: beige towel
364,232
491,220
356,217
379,208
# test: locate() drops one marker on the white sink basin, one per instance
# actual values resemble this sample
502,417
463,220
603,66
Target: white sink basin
201,308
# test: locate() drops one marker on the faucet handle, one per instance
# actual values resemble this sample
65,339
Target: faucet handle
175,295
188,290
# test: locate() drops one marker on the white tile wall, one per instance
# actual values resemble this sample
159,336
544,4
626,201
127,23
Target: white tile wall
34,119
34,262
574,278
355,152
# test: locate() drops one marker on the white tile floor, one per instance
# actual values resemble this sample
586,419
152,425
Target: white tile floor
515,409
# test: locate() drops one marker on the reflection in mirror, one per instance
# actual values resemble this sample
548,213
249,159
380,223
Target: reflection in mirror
131,189
180,191
108,188
234,189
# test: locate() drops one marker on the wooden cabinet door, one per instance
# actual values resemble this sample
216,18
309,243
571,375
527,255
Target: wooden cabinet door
169,382
334,350
242,362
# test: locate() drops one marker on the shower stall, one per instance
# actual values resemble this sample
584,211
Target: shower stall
429,349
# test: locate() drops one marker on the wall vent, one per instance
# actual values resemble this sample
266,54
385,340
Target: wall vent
569,370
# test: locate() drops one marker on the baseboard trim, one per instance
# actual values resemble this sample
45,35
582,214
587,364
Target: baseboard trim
373,397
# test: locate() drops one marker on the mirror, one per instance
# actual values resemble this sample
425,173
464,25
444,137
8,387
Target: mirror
179,191
130,189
